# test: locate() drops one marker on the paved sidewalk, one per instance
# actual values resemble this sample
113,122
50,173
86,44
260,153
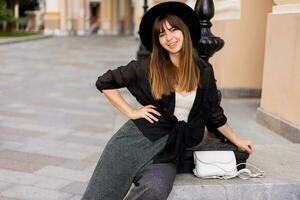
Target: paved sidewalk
54,123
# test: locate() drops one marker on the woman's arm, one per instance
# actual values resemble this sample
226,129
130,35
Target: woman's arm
218,120
115,98
122,76
242,144
119,77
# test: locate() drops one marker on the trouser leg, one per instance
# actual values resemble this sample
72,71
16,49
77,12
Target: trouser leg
154,182
123,156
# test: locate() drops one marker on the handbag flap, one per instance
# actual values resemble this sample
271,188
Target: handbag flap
221,157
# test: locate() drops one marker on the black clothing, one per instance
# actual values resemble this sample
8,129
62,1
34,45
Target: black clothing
205,109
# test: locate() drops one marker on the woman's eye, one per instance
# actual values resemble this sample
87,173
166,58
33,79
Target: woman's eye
173,29
161,34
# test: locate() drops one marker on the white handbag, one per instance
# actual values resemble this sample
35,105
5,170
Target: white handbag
221,165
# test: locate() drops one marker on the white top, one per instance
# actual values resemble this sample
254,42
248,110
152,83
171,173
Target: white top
183,105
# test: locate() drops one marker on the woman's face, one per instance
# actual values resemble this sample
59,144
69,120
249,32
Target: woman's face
171,39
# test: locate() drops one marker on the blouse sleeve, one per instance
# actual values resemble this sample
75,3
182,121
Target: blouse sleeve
217,117
119,77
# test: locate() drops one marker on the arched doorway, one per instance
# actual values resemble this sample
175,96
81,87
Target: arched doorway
94,16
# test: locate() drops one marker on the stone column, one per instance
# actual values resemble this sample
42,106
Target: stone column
53,17
128,17
16,13
63,16
105,16
115,17
280,109
138,14
87,16
110,23
69,16
81,18
239,65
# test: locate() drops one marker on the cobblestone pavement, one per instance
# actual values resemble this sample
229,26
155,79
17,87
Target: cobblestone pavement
54,123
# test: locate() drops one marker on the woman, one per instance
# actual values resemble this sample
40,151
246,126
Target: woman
179,97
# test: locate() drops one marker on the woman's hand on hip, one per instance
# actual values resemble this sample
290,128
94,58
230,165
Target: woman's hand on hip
145,112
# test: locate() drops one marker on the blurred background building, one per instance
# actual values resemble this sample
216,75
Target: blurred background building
82,17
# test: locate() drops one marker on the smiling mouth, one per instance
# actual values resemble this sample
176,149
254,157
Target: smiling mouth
172,44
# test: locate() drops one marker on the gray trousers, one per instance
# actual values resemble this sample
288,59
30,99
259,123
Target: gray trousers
127,158
154,182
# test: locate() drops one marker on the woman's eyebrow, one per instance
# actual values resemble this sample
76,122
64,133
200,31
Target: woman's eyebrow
163,30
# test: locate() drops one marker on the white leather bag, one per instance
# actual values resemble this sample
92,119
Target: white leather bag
220,165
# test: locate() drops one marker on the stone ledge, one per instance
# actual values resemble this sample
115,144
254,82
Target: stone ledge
8,40
282,180
278,125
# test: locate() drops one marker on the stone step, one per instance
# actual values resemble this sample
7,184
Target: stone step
281,164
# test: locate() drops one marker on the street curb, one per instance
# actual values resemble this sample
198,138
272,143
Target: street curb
23,39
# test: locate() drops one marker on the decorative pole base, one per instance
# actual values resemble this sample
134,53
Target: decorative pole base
208,44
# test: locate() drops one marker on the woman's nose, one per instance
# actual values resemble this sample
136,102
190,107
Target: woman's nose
169,35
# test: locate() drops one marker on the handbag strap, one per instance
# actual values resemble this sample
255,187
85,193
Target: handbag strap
245,173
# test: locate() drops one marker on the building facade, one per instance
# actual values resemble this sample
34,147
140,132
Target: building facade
82,17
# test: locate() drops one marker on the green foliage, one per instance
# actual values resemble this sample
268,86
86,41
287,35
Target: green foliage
2,4
5,14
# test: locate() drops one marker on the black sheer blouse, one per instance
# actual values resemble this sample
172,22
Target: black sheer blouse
205,109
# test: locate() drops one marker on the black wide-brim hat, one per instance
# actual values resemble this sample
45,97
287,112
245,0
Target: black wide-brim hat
183,11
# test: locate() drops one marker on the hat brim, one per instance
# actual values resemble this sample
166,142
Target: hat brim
186,13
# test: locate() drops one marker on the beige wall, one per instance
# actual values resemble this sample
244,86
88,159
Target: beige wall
52,20
52,15
281,80
240,63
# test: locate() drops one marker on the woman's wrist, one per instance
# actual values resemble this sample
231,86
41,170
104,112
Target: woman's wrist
236,140
130,112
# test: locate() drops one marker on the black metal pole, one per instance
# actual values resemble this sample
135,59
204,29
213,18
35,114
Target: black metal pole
208,44
143,52
145,6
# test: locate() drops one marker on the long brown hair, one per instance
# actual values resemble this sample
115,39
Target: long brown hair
164,75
